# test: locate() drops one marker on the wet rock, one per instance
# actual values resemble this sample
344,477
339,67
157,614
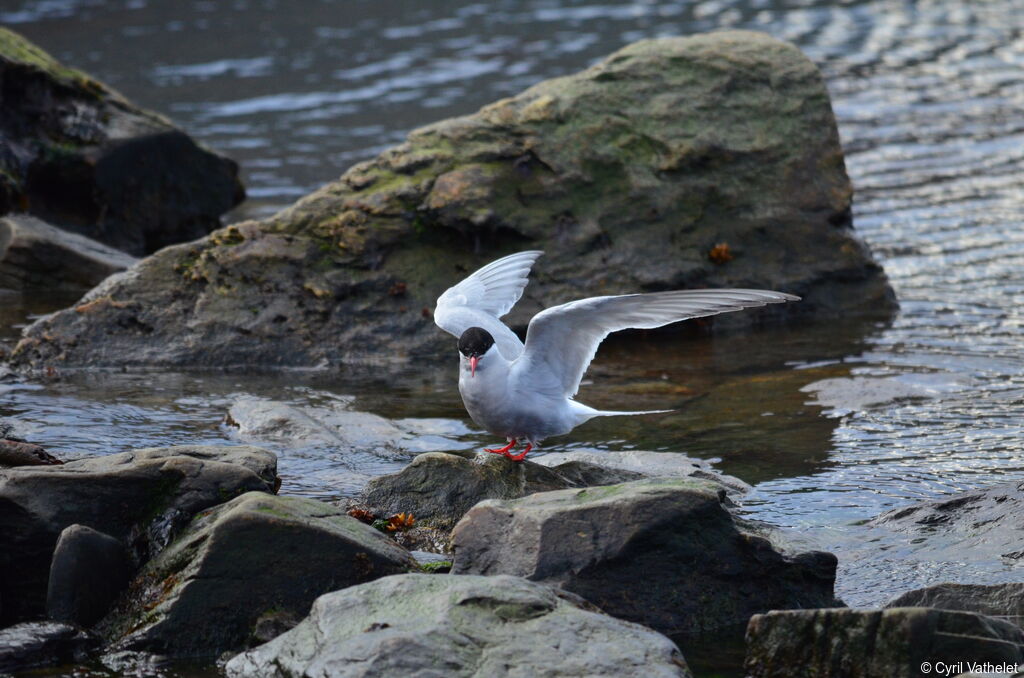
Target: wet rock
462,626
35,255
664,552
78,155
141,498
891,643
89,570
975,526
627,174
21,453
255,557
334,424
644,463
438,488
1005,601
36,644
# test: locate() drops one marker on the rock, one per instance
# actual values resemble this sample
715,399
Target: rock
647,464
975,526
459,626
238,565
335,424
1005,601
78,155
664,553
438,488
36,644
141,498
35,255
89,570
627,174
891,643
20,453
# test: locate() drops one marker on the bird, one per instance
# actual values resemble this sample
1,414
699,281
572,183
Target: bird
525,392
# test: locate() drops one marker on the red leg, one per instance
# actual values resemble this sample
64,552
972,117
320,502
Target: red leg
503,450
522,455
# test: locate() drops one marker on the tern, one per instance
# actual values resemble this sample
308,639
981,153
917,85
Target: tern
524,392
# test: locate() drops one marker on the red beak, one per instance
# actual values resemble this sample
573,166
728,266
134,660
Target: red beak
472,366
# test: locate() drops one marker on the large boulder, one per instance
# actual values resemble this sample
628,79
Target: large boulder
1005,601
445,625
80,156
893,643
35,255
254,557
664,552
141,498
629,175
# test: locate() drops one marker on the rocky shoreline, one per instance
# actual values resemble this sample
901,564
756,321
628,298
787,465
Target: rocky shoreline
188,553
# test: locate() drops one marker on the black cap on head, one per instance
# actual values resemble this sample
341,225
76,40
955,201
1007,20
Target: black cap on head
475,342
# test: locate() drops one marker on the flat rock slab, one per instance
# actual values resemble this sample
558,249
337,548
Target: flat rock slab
892,643
462,627
1005,601
663,552
439,488
34,644
82,157
627,174
253,558
980,525
141,498
35,255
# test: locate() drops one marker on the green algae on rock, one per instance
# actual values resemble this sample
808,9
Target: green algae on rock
628,174
80,156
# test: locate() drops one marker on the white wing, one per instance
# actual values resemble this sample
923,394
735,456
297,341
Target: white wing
485,296
562,340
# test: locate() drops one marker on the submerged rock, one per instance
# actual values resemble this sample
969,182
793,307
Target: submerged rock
893,643
78,155
142,498
1005,601
975,526
628,174
89,570
35,644
35,255
665,553
240,568
459,626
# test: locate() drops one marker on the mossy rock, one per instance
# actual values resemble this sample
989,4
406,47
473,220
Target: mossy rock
79,155
628,174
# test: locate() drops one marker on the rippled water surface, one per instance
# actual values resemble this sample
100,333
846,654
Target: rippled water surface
832,424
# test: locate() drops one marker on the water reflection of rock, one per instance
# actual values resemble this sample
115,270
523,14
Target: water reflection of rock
738,398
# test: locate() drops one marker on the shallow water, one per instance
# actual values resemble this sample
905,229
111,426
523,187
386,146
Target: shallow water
832,424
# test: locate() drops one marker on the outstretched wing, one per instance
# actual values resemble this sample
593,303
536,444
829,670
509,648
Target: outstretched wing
482,298
562,340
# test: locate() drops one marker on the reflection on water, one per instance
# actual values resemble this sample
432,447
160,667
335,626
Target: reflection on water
833,424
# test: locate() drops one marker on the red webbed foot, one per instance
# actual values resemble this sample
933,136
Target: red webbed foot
503,450
522,455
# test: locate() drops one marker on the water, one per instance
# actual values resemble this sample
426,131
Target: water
833,425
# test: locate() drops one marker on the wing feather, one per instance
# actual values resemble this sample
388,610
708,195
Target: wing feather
562,340
484,297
